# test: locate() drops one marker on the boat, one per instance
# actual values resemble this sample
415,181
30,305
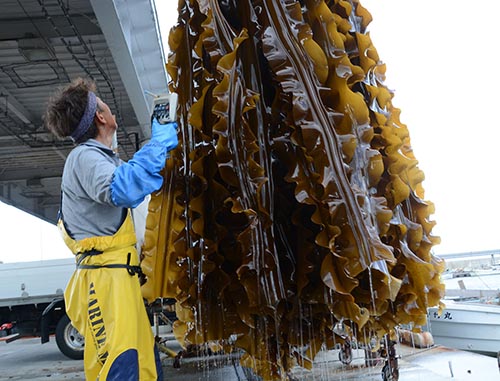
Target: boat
467,326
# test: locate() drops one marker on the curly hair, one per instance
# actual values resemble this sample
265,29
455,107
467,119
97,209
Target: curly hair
66,107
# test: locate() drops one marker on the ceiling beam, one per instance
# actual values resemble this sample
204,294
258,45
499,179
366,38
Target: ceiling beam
23,174
17,28
131,33
14,106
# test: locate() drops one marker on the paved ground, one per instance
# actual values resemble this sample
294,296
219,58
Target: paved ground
28,360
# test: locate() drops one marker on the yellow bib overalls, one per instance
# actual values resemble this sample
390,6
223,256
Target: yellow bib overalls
104,303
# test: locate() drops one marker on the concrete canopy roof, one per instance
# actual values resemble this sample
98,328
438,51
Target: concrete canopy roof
44,45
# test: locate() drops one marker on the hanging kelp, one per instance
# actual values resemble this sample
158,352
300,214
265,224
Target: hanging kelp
294,201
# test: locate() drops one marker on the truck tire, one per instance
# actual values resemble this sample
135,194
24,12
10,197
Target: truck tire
68,339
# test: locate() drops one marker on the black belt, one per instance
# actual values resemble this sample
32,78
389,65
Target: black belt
132,270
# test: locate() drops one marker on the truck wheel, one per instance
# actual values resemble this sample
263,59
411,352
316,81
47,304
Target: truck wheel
68,339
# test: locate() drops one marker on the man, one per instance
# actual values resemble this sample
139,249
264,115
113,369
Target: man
103,297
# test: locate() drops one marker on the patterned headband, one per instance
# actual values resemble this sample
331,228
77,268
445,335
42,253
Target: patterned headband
87,118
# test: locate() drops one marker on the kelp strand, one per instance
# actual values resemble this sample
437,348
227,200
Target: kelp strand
294,202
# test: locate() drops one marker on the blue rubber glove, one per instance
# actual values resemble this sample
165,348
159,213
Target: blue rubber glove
165,134
140,176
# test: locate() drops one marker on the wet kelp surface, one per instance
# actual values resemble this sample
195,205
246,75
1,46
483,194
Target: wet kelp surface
293,204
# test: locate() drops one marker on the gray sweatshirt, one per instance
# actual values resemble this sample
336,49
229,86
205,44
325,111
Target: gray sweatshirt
86,208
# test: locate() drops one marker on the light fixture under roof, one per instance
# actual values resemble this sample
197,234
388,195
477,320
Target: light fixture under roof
34,183
35,49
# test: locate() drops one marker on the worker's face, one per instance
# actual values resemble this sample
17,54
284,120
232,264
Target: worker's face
105,115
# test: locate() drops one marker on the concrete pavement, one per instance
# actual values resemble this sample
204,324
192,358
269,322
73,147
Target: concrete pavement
28,360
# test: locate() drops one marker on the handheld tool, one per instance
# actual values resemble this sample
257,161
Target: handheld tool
165,108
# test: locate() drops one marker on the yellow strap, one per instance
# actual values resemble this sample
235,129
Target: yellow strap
124,237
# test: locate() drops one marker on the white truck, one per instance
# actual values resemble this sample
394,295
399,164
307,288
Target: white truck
32,303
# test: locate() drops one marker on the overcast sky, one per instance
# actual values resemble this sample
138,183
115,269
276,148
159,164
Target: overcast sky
442,60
